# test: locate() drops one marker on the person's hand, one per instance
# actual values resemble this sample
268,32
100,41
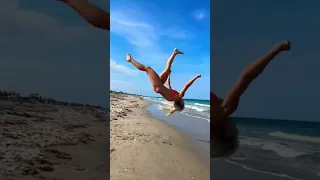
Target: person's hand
198,76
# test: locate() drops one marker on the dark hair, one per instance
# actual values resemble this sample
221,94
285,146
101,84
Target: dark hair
221,143
217,102
178,105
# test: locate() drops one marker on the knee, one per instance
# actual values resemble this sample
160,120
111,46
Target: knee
156,89
147,68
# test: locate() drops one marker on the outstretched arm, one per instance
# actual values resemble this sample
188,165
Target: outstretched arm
230,104
168,82
189,83
91,13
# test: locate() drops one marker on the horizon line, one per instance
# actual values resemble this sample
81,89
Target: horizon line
158,96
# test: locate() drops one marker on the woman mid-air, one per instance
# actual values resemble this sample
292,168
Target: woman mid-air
158,81
224,134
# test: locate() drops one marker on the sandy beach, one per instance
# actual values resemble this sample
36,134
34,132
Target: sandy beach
145,148
47,139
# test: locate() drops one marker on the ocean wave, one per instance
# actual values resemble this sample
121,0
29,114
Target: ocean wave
194,106
160,101
196,116
238,158
295,137
205,105
197,108
282,150
313,158
277,147
260,171
169,107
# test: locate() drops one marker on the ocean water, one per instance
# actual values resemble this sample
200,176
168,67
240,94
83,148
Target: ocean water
280,149
196,108
193,122
283,148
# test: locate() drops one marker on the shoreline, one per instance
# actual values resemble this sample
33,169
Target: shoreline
144,148
189,142
192,129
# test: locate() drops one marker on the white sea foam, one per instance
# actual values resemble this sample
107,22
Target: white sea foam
238,158
205,105
194,106
259,171
277,147
197,108
196,116
295,137
169,107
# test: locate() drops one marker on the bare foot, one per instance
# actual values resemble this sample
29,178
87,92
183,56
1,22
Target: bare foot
128,57
285,45
176,51
199,76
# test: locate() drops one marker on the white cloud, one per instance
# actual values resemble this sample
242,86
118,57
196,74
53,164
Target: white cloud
122,69
120,82
136,32
200,14
140,32
137,28
119,85
176,33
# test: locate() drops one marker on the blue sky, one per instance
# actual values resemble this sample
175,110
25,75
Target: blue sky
47,48
243,31
149,31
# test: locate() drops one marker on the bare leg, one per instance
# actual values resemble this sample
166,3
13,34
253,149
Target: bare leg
256,68
153,76
91,13
164,75
251,72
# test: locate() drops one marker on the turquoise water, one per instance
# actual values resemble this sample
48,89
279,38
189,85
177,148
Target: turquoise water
196,108
193,122
306,128
198,101
279,147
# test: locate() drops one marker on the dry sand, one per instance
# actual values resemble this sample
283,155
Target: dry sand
50,141
62,142
143,148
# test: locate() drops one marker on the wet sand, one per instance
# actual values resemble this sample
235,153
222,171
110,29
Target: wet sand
220,170
143,148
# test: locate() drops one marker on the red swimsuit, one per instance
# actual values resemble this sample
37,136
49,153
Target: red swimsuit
174,93
213,97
